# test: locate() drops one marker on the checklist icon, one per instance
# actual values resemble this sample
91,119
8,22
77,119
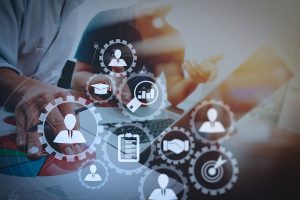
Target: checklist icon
128,147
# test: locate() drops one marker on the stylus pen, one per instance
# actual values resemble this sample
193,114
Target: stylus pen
78,110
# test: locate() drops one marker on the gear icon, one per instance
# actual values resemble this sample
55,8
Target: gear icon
191,146
106,157
103,180
97,101
229,131
43,117
209,174
158,83
164,167
131,66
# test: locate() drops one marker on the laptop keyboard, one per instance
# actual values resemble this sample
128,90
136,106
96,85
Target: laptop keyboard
154,126
157,126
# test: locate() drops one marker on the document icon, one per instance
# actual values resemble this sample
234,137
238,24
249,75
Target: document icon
128,147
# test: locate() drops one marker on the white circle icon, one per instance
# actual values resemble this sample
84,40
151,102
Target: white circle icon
210,173
118,53
150,95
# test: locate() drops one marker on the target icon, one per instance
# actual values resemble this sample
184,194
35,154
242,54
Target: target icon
211,173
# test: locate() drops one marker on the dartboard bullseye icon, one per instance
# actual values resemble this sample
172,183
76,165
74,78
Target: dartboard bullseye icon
211,173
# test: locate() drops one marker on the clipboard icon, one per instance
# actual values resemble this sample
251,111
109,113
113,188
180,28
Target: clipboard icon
128,147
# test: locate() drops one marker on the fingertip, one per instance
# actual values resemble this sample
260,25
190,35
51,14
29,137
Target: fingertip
21,139
214,59
218,57
21,143
34,152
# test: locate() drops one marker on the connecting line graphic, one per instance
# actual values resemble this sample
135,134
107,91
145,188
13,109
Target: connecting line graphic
102,139
13,195
51,125
96,47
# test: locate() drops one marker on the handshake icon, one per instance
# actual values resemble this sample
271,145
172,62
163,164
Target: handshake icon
177,146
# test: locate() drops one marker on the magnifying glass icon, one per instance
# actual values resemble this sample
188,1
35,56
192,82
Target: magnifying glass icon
145,95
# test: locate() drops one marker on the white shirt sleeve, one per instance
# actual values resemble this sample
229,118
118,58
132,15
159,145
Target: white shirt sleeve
10,22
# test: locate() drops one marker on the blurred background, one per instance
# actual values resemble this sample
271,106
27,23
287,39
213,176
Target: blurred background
262,35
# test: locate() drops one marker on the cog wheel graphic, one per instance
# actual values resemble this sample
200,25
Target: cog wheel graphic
191,147
132,65
209,179
111,164
101,183
229,131
158,82
162,167
90,96
43,117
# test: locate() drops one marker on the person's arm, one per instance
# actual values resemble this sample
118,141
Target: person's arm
29,98
26,96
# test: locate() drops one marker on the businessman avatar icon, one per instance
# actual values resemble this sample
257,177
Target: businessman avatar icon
163,193
93,176
117,61
212,126
69,136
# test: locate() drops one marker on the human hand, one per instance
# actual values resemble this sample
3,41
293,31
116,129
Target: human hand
125,90
33,99
204,71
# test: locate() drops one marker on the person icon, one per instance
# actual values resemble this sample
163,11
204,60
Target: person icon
93,177
117,61
163,193
69,136
212,126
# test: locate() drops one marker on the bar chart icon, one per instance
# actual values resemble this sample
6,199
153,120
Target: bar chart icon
145,95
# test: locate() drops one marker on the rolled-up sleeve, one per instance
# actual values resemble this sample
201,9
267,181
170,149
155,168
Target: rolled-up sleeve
85,48
103,27
10,23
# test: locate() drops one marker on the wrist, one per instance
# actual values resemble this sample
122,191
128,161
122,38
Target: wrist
80,79
14,87
22,87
